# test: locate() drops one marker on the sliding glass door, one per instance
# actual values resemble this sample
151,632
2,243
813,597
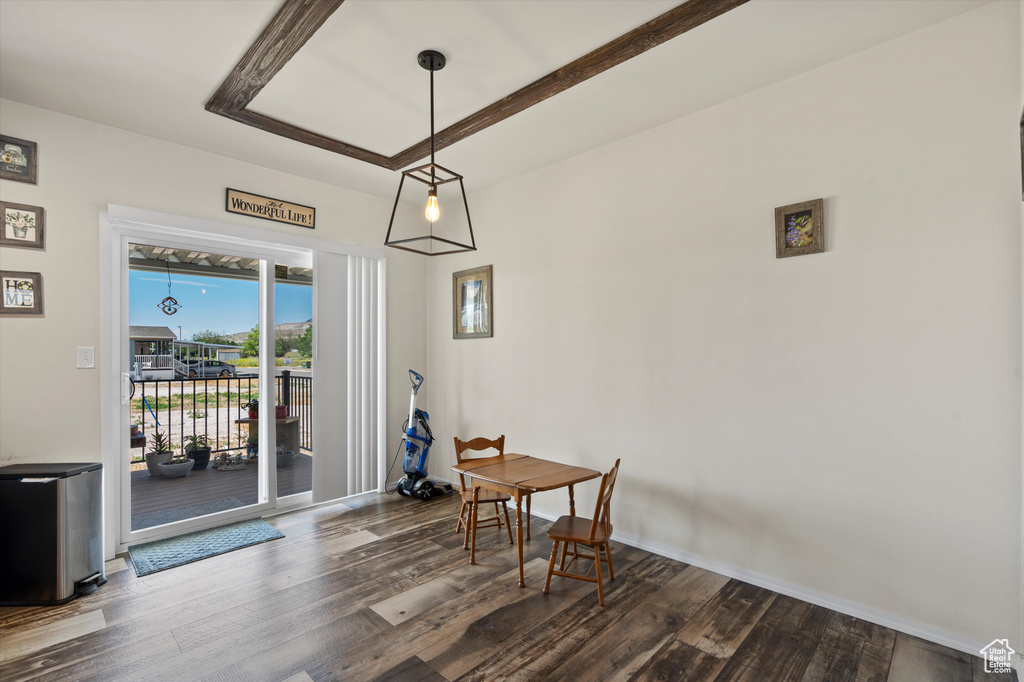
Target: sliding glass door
273,358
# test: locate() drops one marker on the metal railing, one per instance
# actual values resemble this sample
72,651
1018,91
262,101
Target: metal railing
182,407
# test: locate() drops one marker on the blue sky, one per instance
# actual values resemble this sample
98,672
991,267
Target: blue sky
222,305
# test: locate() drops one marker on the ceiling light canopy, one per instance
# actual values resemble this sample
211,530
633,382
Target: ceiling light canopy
443,224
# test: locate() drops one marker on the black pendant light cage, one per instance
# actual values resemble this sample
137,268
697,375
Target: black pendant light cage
434,177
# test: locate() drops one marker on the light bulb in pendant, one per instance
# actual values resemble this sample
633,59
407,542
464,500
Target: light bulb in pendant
432,212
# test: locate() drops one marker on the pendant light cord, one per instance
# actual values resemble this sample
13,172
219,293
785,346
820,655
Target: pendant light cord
431,126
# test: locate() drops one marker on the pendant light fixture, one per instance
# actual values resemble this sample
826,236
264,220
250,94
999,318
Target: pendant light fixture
443,221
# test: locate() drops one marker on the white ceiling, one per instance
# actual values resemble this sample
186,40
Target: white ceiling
151,65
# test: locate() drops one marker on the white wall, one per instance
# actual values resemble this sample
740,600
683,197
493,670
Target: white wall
846,422
49,410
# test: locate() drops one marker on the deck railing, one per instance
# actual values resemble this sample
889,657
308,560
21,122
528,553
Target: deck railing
181,407
154,362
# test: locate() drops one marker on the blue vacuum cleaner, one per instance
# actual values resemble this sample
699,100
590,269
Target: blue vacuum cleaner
418,440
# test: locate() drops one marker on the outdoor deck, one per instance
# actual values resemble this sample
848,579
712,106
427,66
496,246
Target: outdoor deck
157,500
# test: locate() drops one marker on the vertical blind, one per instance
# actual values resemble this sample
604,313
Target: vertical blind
347,375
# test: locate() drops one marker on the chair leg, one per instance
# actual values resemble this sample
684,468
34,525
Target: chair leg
608,558
565,550
551,565
462,512
600,585
508,526
469,524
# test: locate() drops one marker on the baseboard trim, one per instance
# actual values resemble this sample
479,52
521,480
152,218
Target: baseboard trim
850,608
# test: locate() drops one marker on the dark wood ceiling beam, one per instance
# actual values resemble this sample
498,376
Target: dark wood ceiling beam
298,20
287,32
672,23
273,125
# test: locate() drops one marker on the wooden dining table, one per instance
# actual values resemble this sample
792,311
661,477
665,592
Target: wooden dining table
520,476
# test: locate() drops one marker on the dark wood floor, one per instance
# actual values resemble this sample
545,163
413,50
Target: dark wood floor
382,589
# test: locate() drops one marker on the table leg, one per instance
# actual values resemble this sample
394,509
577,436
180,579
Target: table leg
472,548
572,503
528,499
519,536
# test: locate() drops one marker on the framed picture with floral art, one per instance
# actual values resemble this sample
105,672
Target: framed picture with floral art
800,229
17,159
21,293
22,225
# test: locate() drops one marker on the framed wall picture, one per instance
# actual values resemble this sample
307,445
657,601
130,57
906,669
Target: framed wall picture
17,159
471,304
22,225
21,293
800,229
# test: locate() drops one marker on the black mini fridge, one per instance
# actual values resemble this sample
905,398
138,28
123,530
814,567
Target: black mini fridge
51,532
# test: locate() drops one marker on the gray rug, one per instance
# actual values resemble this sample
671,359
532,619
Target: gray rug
191,511
151,557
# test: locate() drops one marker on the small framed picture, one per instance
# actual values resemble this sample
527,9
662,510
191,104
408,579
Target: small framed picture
17,159
21,293
22,225
800,229
471,304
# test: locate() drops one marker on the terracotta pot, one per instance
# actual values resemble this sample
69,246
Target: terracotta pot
281,411
253,414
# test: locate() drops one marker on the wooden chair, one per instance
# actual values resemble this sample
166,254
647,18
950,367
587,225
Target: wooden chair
590,533
468,517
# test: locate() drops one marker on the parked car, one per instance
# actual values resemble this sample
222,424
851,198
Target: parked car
209,368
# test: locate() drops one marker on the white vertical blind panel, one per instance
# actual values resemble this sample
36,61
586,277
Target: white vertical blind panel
372,375
363,370
365,383
352,443
330,376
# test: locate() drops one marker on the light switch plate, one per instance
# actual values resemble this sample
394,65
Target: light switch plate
86,357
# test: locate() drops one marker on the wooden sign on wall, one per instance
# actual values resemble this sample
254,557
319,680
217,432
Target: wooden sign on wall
245,203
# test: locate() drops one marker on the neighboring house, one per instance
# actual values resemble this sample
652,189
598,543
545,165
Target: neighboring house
150,354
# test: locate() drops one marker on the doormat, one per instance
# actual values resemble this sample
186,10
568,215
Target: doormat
160,555
159,518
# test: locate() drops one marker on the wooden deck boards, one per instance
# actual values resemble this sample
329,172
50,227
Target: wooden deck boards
380,588
157,493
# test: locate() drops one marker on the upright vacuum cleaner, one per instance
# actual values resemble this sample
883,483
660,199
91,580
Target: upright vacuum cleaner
418,440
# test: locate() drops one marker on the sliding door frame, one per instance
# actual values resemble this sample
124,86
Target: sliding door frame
120,225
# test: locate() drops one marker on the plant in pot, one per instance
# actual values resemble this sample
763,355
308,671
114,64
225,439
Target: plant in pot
177,466
254,408
228,462
160,452
252,446
284,457
197,447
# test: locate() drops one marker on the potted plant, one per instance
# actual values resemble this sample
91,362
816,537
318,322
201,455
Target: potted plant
197,447
281,412
254,408
160,452
229,462
284,457
177,466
